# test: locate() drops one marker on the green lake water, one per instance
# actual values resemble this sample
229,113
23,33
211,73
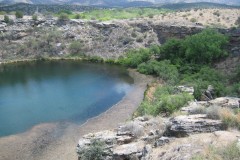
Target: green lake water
62,91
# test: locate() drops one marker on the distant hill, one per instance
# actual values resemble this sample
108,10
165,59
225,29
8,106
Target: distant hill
184,6
111,3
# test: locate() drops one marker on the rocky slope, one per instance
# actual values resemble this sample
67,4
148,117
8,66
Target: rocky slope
149,138
24,38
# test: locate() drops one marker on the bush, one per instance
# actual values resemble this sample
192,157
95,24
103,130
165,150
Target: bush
34,17
6,19
166,100
77,16
205,47
193,20
202,48
229,118
213,112
202,79
164,69
94,152
199,110
135,57
75,47
19,14
172,50
216,13
63,17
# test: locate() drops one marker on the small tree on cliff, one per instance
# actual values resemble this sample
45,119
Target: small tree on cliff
6,19
19,14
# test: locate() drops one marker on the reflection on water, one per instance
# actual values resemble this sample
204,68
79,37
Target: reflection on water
38,92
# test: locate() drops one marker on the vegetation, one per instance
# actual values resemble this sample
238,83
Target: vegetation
19,14
76,47
63,17
94,152
134,58
6,19
109,14
167,99
238,22
164,69
34,17
186,62
44,44
229,152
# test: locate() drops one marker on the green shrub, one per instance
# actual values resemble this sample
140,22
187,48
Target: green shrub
166,100
164,69
34,17
6,19
95,59
94,152
172,50
202,79
75,47
204,47
19,14
135,57
216,13
193,20
63,17
77,16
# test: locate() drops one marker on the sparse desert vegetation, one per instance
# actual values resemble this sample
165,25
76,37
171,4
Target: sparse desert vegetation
187,58
222,18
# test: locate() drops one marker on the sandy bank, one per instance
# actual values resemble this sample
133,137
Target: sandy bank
57,141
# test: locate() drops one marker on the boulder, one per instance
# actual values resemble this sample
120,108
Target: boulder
229,102
188,124
129,151
187,89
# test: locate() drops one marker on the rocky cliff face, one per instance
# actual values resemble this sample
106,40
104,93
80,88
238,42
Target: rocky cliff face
148,138
26,38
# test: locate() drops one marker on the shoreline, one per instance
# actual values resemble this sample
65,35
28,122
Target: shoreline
57,141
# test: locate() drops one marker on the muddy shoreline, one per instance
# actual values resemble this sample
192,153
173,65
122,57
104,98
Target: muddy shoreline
57,141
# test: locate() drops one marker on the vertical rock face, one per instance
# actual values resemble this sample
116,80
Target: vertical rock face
185,125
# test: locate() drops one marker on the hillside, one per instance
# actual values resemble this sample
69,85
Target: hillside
112,3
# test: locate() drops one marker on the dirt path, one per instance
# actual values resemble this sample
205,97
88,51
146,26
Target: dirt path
57,141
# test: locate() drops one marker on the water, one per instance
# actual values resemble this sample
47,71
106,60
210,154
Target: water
40,92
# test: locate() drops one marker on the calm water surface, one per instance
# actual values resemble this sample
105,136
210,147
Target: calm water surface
40,92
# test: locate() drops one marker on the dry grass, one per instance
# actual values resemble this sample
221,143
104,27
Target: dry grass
225,18
229,118
229,152
199,110
133,127
213,112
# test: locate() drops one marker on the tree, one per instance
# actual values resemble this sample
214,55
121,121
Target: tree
205,47
6,19
19,14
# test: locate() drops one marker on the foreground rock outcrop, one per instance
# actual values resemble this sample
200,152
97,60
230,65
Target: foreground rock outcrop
189,124
148,138
134,140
